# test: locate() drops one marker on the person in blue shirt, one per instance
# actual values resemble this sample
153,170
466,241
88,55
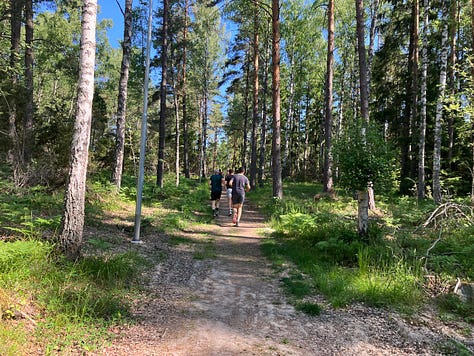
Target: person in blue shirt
216,182
240,185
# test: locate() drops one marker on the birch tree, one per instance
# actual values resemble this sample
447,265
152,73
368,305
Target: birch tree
439,107
72,223
328,159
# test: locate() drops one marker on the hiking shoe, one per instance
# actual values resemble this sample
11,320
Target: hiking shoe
230,213
237,224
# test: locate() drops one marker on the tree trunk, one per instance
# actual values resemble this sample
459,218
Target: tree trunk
122,96
439,109
28,127
253,154
246,111
328,160
276,139
472,118
263,134
164,69
14,153
364,202
411,94
364,100
453,26
423,90
185,97
72,223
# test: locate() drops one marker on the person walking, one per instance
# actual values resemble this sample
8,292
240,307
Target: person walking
228,177
240,185
216,182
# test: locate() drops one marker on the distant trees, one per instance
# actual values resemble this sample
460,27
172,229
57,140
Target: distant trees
294,77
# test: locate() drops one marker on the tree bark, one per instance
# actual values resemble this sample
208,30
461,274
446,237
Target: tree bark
328,159
439,109
122,96
253,150
364,100
363,215
423,90
164,69
276,125
28,127
14,153
185,97
72,223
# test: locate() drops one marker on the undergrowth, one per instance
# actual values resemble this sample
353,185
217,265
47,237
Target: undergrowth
319,238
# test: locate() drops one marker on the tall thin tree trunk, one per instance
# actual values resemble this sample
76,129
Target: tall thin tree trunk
253,151
364,100
14,153
263,134
187,173
328,160
439,109
28,127
424,78
287,168
72,223
122,96
246,110
453,25
472,118
363,196
276,138
164,74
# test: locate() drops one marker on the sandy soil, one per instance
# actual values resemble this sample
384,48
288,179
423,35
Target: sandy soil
234,304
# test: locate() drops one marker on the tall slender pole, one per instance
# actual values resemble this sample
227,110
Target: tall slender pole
138,209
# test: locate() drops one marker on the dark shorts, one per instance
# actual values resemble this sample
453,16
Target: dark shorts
215,195
238,198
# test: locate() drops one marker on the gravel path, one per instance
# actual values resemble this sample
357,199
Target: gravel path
233,304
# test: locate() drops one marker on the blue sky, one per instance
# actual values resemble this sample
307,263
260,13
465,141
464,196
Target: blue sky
109,9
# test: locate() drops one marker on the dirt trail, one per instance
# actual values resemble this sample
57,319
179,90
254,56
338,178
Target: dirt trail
234,305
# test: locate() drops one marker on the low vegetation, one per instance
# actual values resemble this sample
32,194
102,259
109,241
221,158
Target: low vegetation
416,253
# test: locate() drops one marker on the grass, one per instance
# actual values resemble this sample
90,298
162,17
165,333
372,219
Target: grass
319,238
73,305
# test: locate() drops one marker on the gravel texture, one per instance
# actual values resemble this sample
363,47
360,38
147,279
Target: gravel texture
234,304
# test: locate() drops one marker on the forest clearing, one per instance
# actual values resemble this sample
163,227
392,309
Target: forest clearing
352,121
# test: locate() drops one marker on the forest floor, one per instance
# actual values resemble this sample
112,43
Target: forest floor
234,304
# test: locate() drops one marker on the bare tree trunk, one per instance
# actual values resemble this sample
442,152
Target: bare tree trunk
72,223
424,76
246,111
328,160
263,136
14,153
364,100
28,127
176,127
185,122
453,26
122,97
287,166
164,74
439,109
472,119
363,214
276,139
253,151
